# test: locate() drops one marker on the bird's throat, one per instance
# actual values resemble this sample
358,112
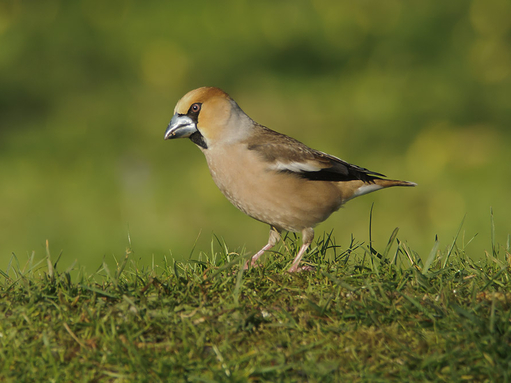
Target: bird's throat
198,139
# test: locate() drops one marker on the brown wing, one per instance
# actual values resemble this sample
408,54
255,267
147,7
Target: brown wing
285,154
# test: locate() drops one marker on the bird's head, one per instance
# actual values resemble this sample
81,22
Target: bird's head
207,116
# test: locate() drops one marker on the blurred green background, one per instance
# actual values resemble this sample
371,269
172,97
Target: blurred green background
417,90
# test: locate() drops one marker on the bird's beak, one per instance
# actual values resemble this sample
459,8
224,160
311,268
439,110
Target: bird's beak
180,126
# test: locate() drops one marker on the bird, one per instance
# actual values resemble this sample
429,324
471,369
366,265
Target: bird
269,176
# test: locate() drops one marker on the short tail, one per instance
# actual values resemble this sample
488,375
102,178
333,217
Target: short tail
389,183
358,188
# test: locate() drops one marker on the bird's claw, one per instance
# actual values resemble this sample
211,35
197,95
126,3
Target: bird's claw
302,268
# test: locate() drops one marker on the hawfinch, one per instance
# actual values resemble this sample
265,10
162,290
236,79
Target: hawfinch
267,175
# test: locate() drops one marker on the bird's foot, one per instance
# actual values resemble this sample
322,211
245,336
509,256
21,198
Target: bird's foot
296,269
252,264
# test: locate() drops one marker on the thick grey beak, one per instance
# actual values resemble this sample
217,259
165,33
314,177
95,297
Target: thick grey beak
179,127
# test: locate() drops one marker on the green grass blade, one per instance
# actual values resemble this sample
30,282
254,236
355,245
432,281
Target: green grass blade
391,241
48,259
431,256
453,244
120,268
98,291
239,283
493,244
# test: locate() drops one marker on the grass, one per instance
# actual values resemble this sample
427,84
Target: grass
362,316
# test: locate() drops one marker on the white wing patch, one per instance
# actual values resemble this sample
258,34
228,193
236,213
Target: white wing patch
366,189
297,167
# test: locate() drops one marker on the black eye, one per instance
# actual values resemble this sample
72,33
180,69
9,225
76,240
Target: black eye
195,108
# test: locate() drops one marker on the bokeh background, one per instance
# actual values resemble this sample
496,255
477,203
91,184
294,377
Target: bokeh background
417,90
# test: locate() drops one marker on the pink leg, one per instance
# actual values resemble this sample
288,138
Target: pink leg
274,238
307,237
